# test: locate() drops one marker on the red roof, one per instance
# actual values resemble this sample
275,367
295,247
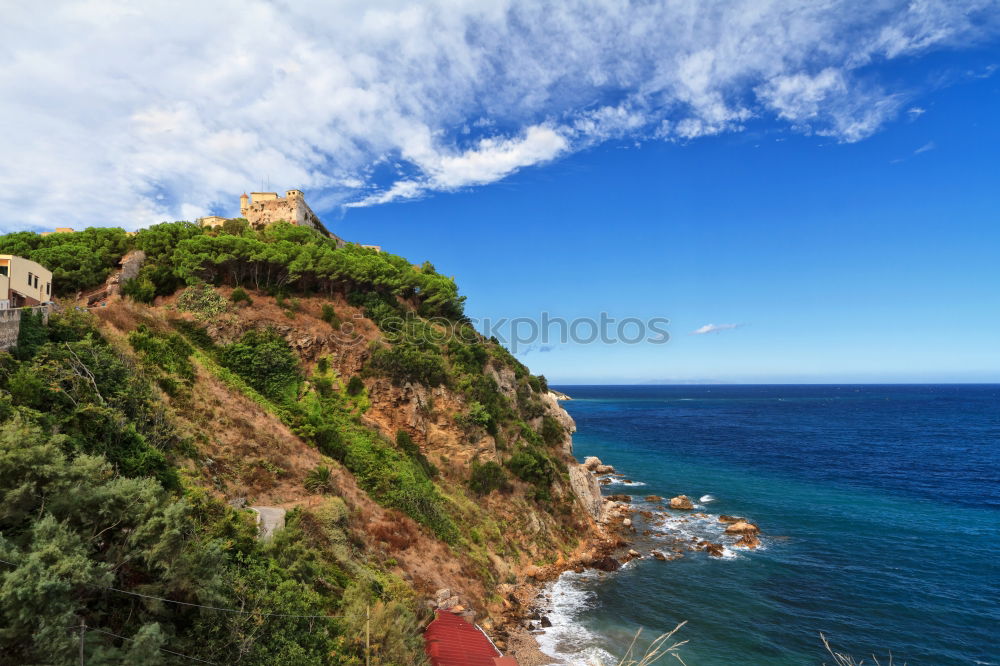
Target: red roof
451,641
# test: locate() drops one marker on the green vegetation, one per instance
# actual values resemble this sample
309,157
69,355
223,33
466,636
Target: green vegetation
487,477
319,480
266,361
204,302
92,500
355,386
240,295
78,261
115,420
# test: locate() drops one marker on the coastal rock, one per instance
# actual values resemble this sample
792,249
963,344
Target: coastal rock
587,491
748,541
742,527
605,482
627,522
605,564
681,502
448,603
545,622
714,549
658,555
620,498
604,469
633,553
591,463
653,498
730,519
442,595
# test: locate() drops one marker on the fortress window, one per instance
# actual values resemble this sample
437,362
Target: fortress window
48,288
4,270
29,278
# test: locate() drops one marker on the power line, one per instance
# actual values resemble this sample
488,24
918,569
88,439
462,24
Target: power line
126,638
215,608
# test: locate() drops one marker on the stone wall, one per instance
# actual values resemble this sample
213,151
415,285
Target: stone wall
10,324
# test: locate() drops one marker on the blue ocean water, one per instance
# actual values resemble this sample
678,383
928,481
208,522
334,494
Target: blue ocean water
880,512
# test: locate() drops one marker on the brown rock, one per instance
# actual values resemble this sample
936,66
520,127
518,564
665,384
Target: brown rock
620,498
742,527
604,469
729,519
653,498
605,564
748,541
605,482
658,555
592,462
714,549
681,502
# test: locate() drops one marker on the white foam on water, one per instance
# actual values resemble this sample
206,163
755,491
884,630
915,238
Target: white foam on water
706,499
567,639
618,481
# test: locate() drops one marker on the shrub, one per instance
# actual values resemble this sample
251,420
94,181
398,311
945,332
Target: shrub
240,295
408,363
319,480
265,360
355,386
323,365
552,431
410,448
329,315
140,289
486,477
532,466
476,416
202,301
170,352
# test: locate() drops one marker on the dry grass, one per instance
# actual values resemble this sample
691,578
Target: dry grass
662,646
840,659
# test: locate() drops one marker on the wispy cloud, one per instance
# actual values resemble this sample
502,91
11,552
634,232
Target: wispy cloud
924,148
130,114
714,328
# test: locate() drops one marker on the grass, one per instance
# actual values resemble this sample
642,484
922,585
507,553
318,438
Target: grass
841,659
662,646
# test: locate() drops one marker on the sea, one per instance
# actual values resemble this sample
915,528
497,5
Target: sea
879,510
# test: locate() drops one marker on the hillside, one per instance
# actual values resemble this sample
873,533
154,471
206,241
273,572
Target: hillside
269,368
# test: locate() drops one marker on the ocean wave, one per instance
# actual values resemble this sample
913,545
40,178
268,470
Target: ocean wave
567,639
706,499
618,481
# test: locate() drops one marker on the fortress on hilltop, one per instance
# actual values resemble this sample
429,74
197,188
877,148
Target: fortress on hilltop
263,208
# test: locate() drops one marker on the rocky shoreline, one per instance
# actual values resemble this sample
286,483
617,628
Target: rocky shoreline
625,533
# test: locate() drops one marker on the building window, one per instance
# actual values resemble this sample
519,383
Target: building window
29,279
5,270
48,288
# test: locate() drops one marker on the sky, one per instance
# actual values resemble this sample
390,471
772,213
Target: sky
807,191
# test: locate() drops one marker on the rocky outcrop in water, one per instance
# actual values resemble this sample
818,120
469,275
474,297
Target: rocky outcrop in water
682,502
742,527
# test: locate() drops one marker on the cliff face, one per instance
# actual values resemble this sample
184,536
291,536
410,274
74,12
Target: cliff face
543,512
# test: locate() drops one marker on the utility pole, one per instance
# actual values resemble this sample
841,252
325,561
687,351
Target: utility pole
83,630
368,631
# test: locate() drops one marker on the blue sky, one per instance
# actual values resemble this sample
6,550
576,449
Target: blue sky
870,261
814,180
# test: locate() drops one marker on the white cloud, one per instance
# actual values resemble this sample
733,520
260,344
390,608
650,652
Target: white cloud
930,145
714,328
117,113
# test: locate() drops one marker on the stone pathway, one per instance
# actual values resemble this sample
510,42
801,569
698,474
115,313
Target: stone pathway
270,519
